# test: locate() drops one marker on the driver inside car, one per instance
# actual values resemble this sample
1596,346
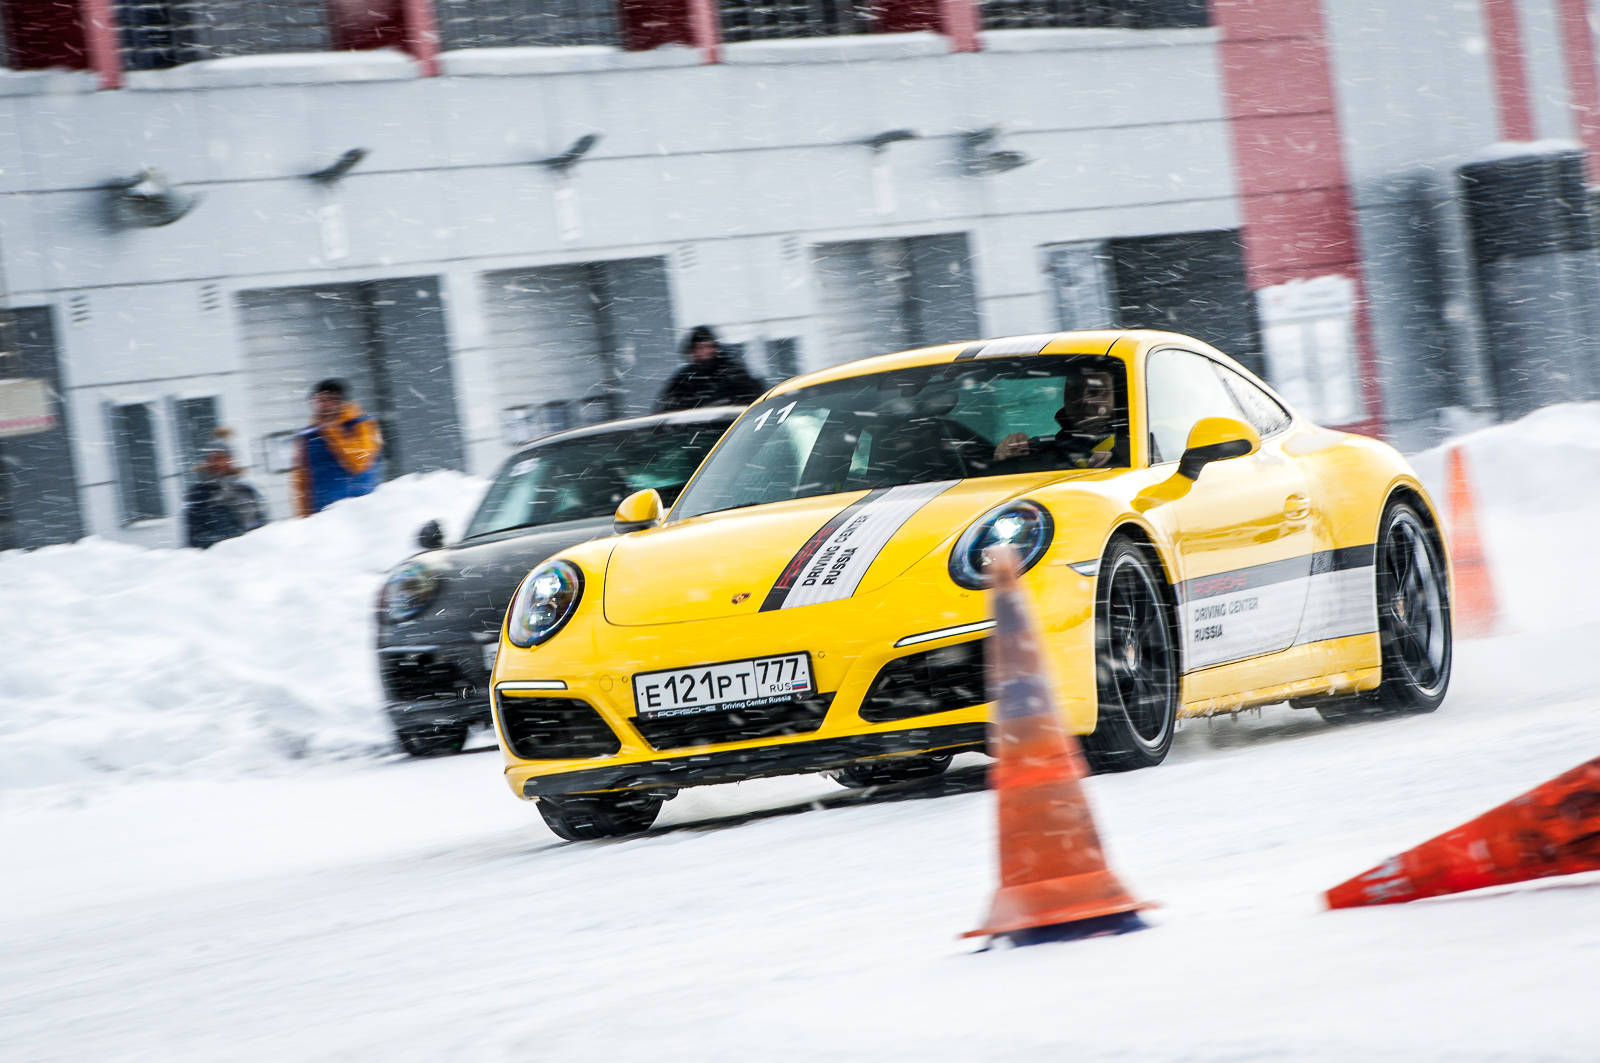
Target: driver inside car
1088,436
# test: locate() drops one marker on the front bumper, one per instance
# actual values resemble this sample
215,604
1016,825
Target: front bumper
434,685
760,762
581,733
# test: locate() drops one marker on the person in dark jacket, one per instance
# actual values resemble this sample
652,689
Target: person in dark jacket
219,505
713,377
339,455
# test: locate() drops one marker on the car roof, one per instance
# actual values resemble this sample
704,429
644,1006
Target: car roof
706,414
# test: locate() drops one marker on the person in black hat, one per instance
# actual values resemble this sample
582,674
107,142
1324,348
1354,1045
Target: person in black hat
713,377
219,504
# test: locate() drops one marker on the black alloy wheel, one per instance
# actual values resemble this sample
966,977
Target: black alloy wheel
1136,662
1413,623
589,817
884,771
435,741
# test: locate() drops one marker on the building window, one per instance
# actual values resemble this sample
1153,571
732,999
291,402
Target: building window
1066,14
758,20
133,437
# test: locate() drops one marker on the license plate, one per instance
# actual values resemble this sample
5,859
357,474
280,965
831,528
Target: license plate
490,652
730,685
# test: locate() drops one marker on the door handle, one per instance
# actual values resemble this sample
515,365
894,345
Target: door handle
1296,506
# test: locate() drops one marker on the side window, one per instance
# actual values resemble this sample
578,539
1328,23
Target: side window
133,438
1263,413
1181,388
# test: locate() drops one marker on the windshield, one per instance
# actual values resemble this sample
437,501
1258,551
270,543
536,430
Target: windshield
984,417
588,476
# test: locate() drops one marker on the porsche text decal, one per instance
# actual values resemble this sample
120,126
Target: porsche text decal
830,565
1268,608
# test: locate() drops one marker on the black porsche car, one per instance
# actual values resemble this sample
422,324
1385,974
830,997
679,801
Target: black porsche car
439,612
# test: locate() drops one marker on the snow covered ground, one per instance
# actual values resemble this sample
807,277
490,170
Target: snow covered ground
354,908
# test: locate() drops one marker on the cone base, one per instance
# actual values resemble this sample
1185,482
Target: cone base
1056,901
1094,927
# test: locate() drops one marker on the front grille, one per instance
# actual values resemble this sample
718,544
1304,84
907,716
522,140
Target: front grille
418,675
936,681
555,729
736,725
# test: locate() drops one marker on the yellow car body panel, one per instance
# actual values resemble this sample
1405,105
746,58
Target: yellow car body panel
690,592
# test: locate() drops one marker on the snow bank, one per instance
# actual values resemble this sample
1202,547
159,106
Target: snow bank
118,659
1537,482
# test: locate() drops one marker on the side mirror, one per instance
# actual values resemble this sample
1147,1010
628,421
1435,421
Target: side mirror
1216,439
430,536
638,511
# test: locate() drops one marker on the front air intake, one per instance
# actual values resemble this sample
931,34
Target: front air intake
555,729
923,683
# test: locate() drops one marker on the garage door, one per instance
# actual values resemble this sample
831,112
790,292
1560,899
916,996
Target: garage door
580,343
385,339
880,296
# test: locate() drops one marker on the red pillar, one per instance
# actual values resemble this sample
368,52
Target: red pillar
100,41
1511,96
960,20
421,34
41,34
1294,196
1577,47
705,27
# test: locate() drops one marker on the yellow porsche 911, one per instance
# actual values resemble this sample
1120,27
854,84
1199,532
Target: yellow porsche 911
814,599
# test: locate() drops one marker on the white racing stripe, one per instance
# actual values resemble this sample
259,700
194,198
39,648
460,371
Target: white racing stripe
1339,604
835,570
1245,623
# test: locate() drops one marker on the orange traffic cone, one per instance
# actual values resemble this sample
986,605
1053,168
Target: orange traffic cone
1054,884
1553,829
1476,608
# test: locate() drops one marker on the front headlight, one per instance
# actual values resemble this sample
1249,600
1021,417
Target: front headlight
1024,525
544,603
407,591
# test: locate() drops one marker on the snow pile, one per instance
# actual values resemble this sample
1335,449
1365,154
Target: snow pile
122,659
1537,484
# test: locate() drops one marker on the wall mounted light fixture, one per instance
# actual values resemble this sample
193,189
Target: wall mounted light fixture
147,201
879,141
976,158
564,162
332,173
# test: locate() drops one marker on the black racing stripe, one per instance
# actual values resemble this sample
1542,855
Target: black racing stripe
1244,578
791,572
970,351
1343,559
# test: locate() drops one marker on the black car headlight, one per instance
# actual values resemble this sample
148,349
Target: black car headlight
544,603
407,592
1023,525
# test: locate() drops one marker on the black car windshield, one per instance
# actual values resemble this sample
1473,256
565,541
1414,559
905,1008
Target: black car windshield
983,417
573,479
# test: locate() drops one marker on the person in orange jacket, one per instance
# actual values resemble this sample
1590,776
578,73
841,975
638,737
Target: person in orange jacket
339,455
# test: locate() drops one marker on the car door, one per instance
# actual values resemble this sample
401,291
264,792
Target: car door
1243,530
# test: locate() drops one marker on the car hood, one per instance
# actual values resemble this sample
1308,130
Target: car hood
478,578
787,555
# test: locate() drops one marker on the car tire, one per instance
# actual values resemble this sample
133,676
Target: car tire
436,741
589,817
1136,662
1413,602
884,771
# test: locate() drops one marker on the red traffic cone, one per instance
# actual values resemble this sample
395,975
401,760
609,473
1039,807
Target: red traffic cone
1476,607
1054,883
1553,829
